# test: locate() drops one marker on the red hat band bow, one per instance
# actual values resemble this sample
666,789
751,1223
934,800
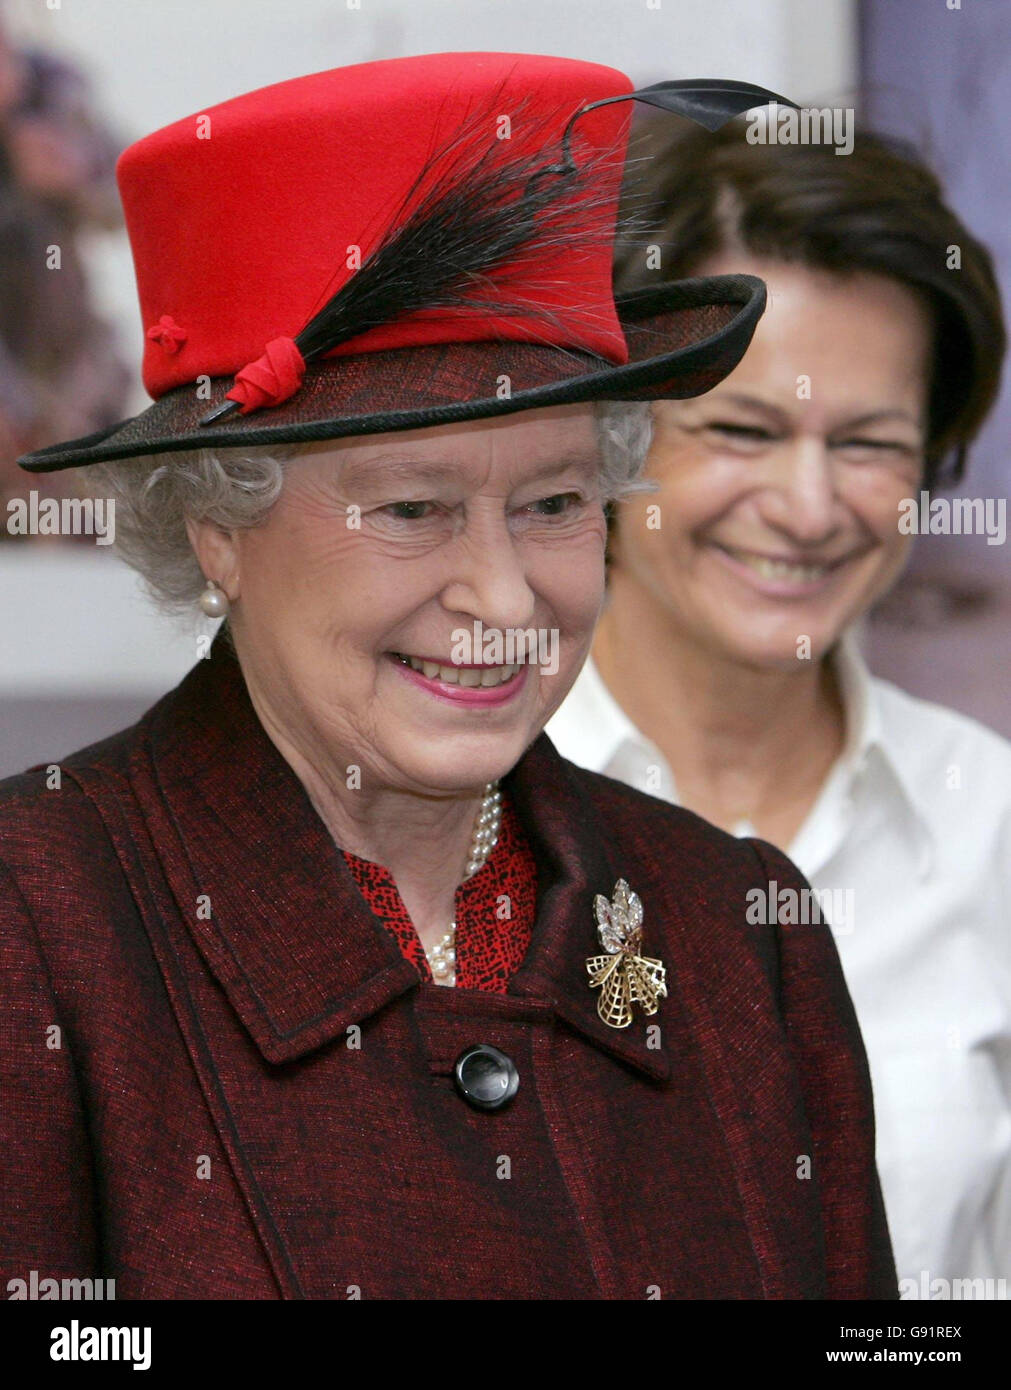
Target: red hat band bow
271,379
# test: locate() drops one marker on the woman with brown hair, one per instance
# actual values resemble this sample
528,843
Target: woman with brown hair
725,675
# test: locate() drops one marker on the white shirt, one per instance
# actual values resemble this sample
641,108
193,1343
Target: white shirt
909,847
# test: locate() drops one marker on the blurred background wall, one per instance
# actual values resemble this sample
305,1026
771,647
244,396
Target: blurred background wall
940,77
82,652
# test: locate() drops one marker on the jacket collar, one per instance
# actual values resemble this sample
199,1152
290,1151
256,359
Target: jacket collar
277,915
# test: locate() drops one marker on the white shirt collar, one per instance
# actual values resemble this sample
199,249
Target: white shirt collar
870,735
599,734
602,726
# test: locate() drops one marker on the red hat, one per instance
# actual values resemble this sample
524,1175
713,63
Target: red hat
400,244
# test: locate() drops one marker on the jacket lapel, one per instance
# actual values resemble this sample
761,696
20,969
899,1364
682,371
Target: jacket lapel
262,888
573,867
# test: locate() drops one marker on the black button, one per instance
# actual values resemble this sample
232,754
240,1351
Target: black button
485,1077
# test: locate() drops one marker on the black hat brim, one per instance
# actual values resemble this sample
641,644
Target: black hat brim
683,338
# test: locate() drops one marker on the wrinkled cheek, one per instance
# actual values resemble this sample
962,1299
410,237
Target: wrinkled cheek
274,577
576,637
578,619
879,580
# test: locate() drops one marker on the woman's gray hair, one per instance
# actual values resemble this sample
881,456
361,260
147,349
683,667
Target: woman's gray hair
235,488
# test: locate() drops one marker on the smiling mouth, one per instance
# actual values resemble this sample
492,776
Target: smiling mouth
465,676
773,567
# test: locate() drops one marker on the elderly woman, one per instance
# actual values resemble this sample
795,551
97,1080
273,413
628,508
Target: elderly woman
331,978
725,673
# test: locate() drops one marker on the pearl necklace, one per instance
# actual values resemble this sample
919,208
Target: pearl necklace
442,956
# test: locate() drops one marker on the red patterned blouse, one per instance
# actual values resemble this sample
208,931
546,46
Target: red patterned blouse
494,910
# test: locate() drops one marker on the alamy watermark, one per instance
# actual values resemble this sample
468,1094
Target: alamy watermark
77,1343
792,907
63,516
511,646
45,1288
954,516
806,125
938,1288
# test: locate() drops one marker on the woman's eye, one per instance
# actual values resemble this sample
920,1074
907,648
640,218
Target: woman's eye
558,504
406,511
740,431
888,445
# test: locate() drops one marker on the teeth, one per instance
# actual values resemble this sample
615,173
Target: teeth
780,569
468,677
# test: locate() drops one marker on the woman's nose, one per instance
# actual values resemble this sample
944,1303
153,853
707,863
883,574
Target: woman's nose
488,578
801,498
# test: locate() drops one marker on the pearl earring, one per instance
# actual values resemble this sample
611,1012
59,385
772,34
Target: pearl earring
214,601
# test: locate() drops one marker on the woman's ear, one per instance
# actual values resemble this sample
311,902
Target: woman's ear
217,554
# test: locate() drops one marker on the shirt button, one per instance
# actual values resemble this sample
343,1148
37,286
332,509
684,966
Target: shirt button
485,1077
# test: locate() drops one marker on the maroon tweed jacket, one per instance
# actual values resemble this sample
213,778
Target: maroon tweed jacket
258,1102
